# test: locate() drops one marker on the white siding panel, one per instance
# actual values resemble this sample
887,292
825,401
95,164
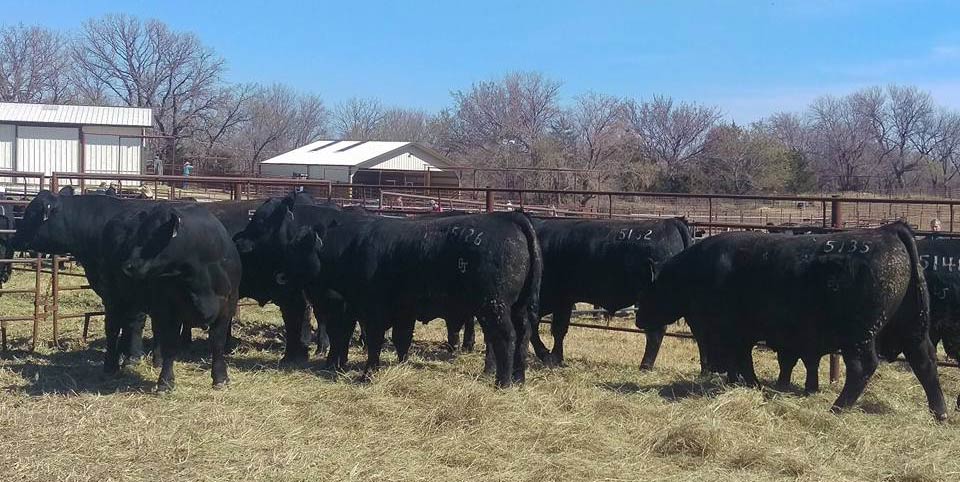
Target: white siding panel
330,173
285,171
404,162
8,141
48,149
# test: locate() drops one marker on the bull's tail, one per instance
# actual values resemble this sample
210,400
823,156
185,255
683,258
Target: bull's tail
918,283
530,295
684,228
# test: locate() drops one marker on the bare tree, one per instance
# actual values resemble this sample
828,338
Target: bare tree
33,65
230,111
841,137
595,135
790,129
145,64
895,116
670,133
507,123
404,125
739,160
357,118
938,142
309,123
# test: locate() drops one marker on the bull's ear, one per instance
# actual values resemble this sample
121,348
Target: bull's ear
66,191
288,202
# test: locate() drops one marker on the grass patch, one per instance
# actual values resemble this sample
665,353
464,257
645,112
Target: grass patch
436,418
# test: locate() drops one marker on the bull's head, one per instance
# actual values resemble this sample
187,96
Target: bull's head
270,220
656,305
42,227
145,254
302,259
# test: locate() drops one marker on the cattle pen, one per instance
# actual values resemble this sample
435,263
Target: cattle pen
707,213
601,417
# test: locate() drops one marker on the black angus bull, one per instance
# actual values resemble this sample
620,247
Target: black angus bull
74,224
259,245
393,272
606,263
179,263
805,296
940,259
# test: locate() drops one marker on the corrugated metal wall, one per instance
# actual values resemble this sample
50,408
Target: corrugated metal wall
8,140
48,149
111,154
404,162
287,171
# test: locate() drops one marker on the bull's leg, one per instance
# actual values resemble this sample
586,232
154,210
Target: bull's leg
323,336
499,328
296,325
453,333
375,334
362,336
403,337
558,328
131,337
922,357
861,362
787,361
489,364
167,331
186,336
111,359
522,320
538,347
699,335
469,334
219,334
652,348
812,365
339,330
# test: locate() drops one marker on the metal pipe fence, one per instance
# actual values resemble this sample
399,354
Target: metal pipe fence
708,213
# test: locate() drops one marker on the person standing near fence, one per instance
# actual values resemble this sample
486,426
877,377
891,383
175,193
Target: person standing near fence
187,169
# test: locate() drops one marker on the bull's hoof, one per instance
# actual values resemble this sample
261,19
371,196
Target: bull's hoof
782,387
222,384
468,348
519,378
157,360
940,417
132,361
504,384
811,391
958,402
646,367
165,386
293,360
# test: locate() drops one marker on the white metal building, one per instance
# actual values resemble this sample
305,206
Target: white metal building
72,138
364,162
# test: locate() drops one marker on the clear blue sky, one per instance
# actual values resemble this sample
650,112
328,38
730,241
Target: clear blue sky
750,58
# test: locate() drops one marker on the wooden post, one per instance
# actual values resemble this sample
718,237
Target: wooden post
238,191
490,207
55,294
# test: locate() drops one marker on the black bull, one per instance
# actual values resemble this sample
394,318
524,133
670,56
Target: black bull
62,224
178,263
392,272
859,291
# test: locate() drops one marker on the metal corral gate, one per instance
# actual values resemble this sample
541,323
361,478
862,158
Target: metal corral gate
709,213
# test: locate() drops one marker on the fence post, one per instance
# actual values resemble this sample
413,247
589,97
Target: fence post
238,191
54,184
951,218
55,293
490,208
610,206
38,264
709,216
836,221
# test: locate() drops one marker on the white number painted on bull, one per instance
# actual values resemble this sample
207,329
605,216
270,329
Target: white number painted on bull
948,263
854,247
942,294
469,234
627,234
461,265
